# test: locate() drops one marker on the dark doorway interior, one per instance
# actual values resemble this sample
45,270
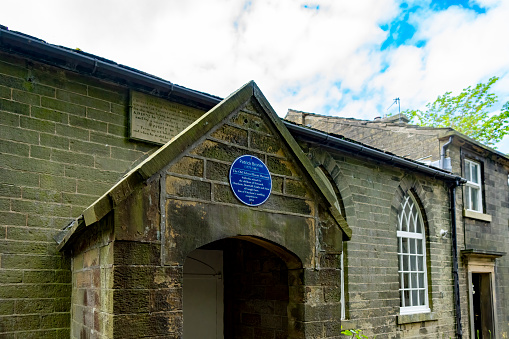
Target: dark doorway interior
260,296
483,306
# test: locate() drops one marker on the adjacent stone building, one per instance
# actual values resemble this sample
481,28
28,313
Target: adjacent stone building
483,215
119,217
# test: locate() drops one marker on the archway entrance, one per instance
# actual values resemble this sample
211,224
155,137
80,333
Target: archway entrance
241,288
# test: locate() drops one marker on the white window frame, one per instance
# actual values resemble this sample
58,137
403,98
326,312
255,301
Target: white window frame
414,272
472,187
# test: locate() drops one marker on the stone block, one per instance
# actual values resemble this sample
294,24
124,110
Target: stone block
14,107
5,92
54,141
188,188
120,131
87,123
136,253
280,166
251,121
224,194
188,166
17,134
218,171
231,135
82,100
7,307
26,322
111,118
277,184
16,148
115,95
266,144
91,258
26,97
219,151
38,276
251,319
112,140
296,187
85,173
289,204
70,157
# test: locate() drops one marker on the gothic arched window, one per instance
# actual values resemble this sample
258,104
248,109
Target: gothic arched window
413,279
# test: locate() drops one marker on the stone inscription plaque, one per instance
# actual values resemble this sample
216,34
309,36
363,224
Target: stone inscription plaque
157,120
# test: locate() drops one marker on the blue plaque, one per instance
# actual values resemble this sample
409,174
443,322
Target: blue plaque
250,180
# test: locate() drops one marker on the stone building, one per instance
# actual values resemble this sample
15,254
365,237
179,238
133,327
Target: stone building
121,214
483,235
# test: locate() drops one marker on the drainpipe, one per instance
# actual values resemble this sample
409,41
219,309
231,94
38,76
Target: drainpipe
456,287
459,331
442,155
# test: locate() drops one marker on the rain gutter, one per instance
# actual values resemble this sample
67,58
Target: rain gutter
90,64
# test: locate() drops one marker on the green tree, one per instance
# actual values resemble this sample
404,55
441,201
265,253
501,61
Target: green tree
467,113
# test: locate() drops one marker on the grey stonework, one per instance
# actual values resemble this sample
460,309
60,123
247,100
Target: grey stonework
66,156
474,234
371,193
63,143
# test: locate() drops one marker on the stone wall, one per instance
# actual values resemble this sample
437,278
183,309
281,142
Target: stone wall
371,193
92,282
417,143
63,143
490,236
471,233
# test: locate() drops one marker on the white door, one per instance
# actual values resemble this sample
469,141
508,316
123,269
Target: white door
203,295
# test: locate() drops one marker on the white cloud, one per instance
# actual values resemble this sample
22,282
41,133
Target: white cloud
326,61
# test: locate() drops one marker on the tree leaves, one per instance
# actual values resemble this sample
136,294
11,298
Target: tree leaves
467,113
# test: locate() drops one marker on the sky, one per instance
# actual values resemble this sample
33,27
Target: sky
336,57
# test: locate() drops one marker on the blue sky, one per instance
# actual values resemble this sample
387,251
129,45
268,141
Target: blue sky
335,57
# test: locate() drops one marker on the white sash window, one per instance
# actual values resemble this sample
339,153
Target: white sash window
473,190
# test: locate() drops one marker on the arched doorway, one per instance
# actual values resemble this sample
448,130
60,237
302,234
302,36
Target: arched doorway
242,287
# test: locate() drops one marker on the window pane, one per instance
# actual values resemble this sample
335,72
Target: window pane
420,263
404,242
467,198
406,278
421,297
474,193
419,246
414,280
413,263
407,298
467,171
411,225
414,298
421,280
474,173
418,225
412,246
405,262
